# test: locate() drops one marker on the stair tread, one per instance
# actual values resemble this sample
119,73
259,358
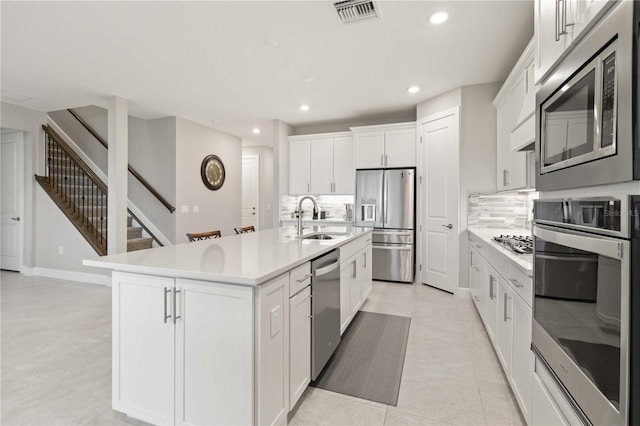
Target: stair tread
139,240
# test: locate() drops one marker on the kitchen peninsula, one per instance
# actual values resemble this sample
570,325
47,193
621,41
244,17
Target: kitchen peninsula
218,331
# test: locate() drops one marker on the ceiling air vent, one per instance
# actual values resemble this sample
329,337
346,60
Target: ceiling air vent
355,10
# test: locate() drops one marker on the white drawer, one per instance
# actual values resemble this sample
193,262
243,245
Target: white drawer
522,283
299,278
353,247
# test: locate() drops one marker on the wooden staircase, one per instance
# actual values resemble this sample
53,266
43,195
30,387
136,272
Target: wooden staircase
82,196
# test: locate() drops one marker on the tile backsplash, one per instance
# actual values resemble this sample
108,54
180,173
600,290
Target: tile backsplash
333,205
509,210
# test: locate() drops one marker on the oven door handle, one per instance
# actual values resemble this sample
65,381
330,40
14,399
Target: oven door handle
568,258
605,246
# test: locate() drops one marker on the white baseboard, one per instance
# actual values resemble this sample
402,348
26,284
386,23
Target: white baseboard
62,274
463,292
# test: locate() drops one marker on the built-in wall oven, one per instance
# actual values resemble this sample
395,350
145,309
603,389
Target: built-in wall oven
587,116
586,285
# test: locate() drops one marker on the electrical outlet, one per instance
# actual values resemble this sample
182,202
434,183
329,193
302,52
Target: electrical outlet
195,209
184,209
61,250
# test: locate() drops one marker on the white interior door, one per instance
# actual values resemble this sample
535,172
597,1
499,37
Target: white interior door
439,236
11,200
250,190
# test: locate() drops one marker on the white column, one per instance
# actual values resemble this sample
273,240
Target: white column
118,140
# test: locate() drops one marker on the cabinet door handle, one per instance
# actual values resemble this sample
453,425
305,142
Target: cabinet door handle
516,283
557,19
355,271
491,293
175,305
386,162
476,268
364,262
308,187
564,18
504,177
506,298
382,160
165,316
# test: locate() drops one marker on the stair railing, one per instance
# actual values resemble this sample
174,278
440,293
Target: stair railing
76,189
135,174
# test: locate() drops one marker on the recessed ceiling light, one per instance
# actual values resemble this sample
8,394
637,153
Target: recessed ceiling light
413,89
439,17
309,80
271,42
304,107
256,131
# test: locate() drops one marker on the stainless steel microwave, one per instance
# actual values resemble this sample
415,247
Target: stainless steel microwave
587,110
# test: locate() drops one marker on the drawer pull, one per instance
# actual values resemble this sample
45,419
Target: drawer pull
516,283
304,278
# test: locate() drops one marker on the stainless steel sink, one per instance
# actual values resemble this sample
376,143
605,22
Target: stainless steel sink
317,237
323,236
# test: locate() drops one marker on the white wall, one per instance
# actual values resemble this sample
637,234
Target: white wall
219,209
28,121
266,184
477,150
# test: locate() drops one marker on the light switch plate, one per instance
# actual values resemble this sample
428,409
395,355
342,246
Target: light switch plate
275,321
184,209
195,209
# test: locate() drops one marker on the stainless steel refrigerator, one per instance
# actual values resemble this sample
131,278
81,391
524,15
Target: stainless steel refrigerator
385,200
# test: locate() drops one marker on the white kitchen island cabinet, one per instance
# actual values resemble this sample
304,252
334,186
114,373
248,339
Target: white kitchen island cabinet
217,331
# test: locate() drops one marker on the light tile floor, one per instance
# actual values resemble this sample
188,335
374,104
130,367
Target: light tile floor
56,361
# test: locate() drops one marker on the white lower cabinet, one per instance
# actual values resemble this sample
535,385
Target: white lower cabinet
521,356
299,345
504,325
507,316
355,281
168,361
272,351
543,411
477,273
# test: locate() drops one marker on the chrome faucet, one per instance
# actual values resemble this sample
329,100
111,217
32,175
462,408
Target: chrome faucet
315,208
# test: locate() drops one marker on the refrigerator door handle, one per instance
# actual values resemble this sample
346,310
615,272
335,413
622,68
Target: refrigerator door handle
385,198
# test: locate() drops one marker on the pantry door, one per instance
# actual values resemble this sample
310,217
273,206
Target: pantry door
439,147
11,160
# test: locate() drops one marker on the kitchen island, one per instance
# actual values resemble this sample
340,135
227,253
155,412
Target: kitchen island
219,331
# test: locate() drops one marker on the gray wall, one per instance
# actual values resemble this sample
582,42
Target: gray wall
439,103
281,133
219,209
344,126
151,153
266,184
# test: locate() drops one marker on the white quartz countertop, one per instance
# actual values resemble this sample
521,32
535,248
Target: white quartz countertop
330,221
523,261
246,259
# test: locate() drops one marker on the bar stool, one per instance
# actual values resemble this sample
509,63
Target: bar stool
245,229
203,235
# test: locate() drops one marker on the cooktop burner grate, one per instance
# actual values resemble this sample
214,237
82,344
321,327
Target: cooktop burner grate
517,243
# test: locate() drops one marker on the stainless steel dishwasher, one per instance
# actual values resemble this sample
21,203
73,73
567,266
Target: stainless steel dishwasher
325,310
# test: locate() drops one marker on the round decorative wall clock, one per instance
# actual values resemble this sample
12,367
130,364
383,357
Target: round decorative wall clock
212,172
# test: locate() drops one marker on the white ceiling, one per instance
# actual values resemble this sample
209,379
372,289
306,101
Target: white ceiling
234,65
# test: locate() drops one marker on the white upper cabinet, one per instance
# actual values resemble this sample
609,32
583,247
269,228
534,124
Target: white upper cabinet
299,161
515,107
322,164
389,145
559,24
369,150
344,168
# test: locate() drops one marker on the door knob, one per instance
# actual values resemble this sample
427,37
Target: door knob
17,219
450,226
